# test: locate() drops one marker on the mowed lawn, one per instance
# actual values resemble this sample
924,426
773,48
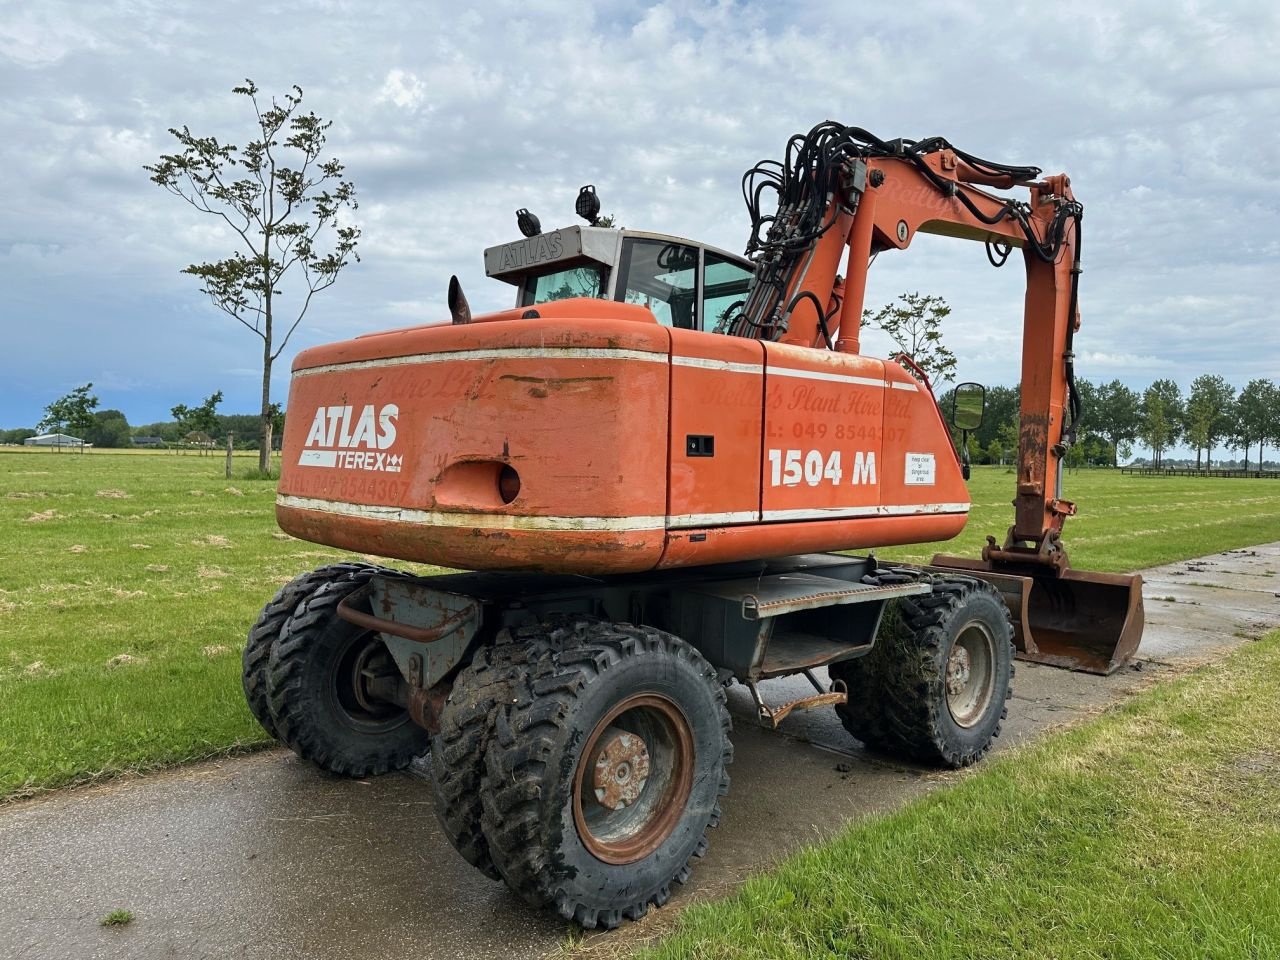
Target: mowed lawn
127,584
128,581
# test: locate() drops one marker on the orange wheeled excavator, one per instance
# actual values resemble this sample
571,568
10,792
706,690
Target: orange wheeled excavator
645,465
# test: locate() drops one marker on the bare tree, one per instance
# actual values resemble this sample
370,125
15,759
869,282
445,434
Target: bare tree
282,202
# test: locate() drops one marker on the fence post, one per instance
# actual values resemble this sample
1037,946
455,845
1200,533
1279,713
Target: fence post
230,435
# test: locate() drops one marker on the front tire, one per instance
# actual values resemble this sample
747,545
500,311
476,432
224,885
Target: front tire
316,695
933,689
605,774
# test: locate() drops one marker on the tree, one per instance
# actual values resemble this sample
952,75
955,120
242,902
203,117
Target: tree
995,451
203,418
110,429
1255,409
1208,413
284,204
914,323
1002,407
1075,456
1161,415
1009,439
72,412
1115,416
16,436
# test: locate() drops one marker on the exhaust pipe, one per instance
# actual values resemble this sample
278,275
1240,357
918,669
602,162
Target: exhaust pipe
1089,622
459,309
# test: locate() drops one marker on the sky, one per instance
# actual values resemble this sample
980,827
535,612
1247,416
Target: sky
448,119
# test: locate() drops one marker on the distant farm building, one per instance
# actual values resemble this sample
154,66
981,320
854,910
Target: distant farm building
55,440
199,439
148,441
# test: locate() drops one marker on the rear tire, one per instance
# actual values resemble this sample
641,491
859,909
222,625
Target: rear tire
933,689
264,633
315,696
480,690
605,774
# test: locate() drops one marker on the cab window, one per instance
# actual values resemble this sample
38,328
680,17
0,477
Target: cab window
724,284
662,276
584,281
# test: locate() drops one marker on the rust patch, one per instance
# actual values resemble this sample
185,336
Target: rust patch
425,705
551,381
540,387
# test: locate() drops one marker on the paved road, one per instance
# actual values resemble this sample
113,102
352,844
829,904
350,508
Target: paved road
263,857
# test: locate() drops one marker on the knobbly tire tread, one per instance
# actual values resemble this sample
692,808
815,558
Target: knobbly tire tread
527,851
896,693
301,730
480,690
265,630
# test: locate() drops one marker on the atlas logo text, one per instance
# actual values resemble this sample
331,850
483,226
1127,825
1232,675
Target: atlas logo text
342,437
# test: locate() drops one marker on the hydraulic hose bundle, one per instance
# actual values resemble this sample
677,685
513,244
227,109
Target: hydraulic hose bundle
809,192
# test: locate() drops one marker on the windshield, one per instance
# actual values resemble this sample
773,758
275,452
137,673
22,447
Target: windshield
583,281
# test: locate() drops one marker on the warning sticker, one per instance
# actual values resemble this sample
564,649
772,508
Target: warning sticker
920,470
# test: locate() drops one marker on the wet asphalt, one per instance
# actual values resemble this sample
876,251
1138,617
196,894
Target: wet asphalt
263,856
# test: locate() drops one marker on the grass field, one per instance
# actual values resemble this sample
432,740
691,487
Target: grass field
128,584
129,581
1148,833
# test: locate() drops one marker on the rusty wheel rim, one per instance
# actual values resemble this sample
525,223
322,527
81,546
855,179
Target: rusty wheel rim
634,779
970,674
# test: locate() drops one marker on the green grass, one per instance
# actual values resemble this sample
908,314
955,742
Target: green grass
1151,832
1125,523
117,918
129,581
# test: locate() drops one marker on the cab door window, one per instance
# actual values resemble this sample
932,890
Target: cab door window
662,276
724,284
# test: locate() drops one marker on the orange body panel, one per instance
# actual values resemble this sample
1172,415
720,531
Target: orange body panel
716,390
559,406
403,444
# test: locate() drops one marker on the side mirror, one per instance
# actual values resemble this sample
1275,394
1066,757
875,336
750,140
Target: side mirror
968,401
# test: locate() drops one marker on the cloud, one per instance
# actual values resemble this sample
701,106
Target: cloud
403,89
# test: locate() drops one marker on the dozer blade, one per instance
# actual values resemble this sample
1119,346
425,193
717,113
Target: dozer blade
1091,622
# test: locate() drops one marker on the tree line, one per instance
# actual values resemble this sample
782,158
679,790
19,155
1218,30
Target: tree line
77,414
1211,416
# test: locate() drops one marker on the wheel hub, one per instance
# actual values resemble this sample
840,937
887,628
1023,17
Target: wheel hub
959,668
971,674
633,779
621,769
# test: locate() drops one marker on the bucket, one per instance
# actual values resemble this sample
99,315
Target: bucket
1077,620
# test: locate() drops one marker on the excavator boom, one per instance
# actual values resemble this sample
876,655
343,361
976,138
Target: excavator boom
844,189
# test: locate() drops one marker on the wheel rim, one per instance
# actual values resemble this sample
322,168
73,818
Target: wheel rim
634,779
970,677
364,655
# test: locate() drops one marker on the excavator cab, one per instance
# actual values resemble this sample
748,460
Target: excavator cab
685,284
